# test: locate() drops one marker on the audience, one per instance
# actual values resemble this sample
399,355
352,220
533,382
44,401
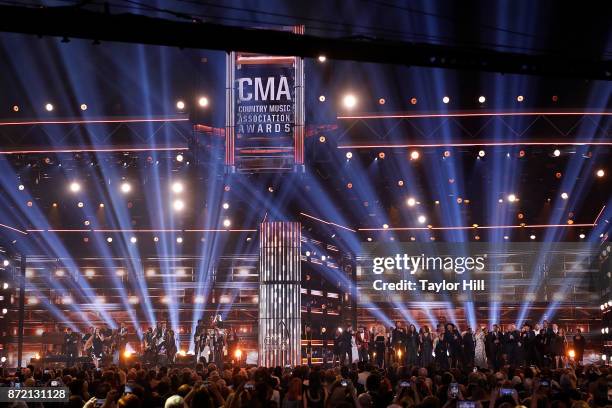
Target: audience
362,385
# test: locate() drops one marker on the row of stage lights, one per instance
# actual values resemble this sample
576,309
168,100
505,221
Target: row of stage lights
177,188
202,102
415,155
350,100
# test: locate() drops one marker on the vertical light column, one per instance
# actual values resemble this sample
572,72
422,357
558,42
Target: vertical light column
298,128
230,120
279,294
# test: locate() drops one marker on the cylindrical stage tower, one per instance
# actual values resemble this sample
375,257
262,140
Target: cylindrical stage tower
280,277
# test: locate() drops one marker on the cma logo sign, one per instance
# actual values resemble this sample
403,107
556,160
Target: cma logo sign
263,89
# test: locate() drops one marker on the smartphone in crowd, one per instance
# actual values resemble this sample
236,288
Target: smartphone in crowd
249,386
404,384
100,402
344,382
505,391
454,390
466,404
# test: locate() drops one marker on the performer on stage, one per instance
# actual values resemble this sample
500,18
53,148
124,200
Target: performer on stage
148,346
363,340
218,342
379,347
70,346
426,342
480,356
412,344
94,345
170,345
159,346
579,346
199,339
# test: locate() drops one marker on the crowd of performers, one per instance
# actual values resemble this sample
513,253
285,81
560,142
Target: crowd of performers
213,343
542,345
96,343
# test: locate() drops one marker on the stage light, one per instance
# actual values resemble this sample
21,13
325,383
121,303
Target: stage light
80,204
322,58
385,226
155,239
349,101
203,101
48,107
411,202
127,354
600,173
437,202
582,236
198,299
557,153
32,300
90,273
120,272
506,237
178,205
271,189
482,99
381,101
133,240
227,222
126,187
75,187
422,219
520,98
109,239
54,205
381,155
180,105
225,206
400,183
100,299
445,99
15,108
4,311
564,195
182,353
83,107
39,332
177,187
5,285
179,240
369,239
413,101
133,300
101,205
607,330
602,307
21,187
511,198
323,257
179,158
481,153
6,262
447,153
532,236
321,98
29,273
322,139
414,155
349,155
